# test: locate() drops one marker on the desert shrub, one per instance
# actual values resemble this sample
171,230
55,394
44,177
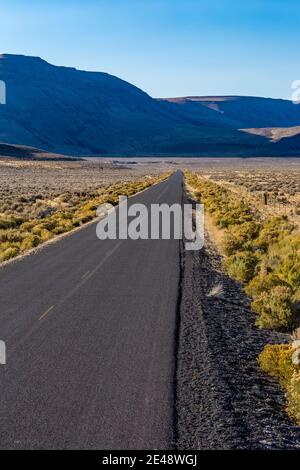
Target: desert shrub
236,212
288,271
225,208
286,260
10,221
63,226
80,218
241,266
89,206
65,197
240,237
45,234
48,224
9,253
76,221
280,266
274,308
27,226
276,360
10,235
272,231
261,283
30,241
293,397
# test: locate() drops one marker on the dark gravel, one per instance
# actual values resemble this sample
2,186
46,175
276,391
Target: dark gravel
223,400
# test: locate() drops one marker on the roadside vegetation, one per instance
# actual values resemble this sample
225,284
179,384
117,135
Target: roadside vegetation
31,218
272,187
263,253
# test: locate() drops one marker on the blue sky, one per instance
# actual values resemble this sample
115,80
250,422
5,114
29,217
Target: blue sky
166,47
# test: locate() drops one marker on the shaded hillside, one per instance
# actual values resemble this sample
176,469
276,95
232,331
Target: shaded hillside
239,111
31,153
68,111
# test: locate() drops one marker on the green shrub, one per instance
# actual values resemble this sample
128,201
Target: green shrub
293,397
284,259
9,253
241,266
63,226
273,230
45,235
240,237
261,283
10,221
27,226
31,241
274,308
276,360
10,235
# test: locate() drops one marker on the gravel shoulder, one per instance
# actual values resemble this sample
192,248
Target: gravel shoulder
223,400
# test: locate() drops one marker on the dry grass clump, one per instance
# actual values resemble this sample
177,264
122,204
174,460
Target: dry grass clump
281,361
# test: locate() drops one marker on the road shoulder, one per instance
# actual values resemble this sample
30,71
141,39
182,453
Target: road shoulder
223,400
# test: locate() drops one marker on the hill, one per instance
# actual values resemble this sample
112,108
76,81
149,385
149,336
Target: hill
68,111
31,153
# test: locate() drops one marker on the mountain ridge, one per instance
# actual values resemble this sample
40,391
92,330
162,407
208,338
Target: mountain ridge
76,112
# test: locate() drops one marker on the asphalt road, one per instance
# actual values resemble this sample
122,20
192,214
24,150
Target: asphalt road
89,327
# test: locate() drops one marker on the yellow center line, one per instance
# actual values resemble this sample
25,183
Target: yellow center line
45,313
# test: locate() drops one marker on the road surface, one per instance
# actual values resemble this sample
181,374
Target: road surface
90,331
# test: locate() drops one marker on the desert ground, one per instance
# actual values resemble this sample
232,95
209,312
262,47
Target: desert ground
232,385
42,199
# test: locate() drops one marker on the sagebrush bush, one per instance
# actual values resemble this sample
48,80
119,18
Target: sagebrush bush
286,260
262,282
274,308
8,253
10,221
293,396
276,360
241,266
240,237
272,231
30,241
